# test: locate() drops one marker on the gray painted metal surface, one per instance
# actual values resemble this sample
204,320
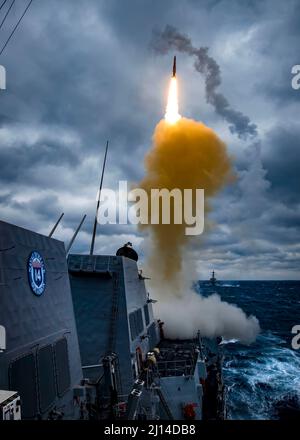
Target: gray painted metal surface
106,291
32,322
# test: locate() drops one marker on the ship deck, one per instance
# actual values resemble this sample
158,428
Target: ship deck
177,357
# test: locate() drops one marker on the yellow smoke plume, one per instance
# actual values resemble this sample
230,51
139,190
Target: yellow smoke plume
184,155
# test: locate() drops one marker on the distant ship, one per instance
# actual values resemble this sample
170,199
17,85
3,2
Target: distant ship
213,279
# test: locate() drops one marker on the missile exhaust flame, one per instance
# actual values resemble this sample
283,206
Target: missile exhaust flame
172,115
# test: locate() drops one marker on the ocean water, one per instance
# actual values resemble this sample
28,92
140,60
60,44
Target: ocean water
263,379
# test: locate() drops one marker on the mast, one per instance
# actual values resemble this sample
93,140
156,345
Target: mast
75,235
56,224
98,204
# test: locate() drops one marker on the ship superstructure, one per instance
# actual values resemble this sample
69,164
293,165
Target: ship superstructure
41,361
137,372
114,316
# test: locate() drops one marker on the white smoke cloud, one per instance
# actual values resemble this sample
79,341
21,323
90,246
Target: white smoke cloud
185,311
213,317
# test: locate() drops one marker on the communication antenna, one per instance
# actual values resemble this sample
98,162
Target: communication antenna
75,235
98,203
56,224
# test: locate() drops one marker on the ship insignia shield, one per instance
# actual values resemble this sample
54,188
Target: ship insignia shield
36,273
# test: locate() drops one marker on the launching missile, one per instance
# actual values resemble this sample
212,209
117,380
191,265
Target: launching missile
174,67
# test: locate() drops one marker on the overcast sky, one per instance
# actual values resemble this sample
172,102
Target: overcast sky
79,73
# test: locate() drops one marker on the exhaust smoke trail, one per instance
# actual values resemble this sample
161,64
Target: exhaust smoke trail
187,154
169,39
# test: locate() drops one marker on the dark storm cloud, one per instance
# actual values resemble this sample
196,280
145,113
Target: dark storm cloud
79,75
282,162
256,217
20,159
3,120
5,198
284,54
74,79
44,206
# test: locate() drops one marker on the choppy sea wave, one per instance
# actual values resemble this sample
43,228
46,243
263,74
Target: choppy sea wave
263,379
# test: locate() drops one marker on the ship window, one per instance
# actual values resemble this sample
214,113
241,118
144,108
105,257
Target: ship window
22,378
146,313
62,366
46,378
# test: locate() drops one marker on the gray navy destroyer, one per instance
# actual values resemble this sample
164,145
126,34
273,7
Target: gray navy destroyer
80,340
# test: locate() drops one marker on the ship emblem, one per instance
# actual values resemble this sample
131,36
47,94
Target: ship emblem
36,273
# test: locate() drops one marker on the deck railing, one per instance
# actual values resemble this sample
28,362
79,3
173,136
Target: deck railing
176,367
